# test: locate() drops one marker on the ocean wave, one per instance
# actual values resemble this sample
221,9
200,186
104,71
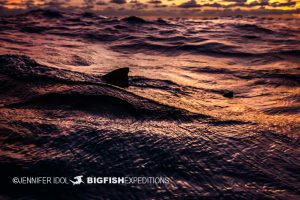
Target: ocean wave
254,28
134,20
81,90
282,110
34,29
164,36
175,48
44,13
23,67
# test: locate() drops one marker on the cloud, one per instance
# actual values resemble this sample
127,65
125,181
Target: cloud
89,4
236,1
213,5
32,4
243,3
160,6
101,3
260,3
189,4
286,4
138,5
194,4
2,2
155,1
51,4
118,1
156,7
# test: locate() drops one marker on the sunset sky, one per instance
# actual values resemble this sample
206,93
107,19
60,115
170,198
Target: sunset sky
159,7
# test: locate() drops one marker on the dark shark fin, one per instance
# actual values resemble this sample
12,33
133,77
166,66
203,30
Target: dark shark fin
118,77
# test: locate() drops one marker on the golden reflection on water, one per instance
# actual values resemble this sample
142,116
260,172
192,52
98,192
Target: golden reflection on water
248,105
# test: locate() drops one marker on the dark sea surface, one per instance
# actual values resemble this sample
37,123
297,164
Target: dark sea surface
213,104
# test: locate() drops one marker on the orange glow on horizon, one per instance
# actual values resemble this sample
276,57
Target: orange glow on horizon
21,4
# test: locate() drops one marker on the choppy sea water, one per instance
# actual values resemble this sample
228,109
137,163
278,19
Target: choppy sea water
59,118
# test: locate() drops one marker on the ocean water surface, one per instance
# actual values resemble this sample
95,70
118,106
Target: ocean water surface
212,103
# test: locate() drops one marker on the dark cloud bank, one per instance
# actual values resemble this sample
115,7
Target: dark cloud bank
157,8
